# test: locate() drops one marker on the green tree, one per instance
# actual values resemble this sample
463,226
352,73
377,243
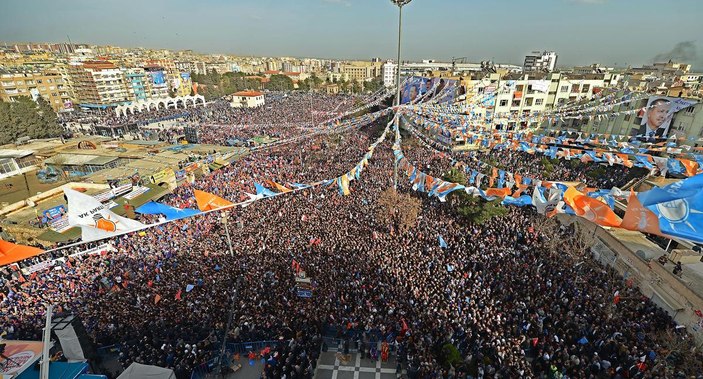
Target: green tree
304,85
450,356
356,86
473,209
24,117
374,85
315,81
280,83
344,85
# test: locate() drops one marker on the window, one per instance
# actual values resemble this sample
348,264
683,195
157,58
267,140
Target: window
539,101
627,117
504,103
564,89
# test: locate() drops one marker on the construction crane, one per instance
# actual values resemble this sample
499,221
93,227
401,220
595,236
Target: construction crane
455,59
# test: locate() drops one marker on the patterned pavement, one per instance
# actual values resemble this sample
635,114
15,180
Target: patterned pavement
330,367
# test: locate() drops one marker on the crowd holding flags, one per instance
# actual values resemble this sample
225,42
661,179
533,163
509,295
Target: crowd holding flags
674,210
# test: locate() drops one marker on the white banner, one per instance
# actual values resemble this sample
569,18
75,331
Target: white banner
96,250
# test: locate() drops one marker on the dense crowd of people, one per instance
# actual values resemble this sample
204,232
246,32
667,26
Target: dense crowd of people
282,116
509,306
536,165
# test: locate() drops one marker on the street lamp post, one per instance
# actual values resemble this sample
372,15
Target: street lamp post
225,221
400,4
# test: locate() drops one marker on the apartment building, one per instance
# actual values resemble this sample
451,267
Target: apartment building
525,94
390,72
545,61
47,84
98,83
362,70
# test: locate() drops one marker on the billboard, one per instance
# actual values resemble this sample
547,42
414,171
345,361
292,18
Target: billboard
21,354
657,116
158,77
414,88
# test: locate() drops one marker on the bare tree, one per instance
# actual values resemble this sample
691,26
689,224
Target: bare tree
397,210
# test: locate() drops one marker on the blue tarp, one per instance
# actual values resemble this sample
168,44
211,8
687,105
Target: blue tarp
57,370
171,213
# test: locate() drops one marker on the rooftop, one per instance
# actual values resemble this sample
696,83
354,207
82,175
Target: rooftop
247,93
9,153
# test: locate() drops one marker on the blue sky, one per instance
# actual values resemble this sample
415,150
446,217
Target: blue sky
581,31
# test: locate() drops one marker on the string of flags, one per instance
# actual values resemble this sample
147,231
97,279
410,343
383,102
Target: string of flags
675,210
620,153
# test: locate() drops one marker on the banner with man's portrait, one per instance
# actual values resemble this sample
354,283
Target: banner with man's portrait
657,116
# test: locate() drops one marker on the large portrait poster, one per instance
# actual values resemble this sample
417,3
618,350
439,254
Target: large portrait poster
658,113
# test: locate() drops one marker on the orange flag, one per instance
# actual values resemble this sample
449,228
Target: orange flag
157,298
520,188
638,217
691,166
625,160
207,201
281,188
590,208
499,192
11,253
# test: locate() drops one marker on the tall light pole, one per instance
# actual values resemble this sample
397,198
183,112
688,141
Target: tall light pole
225,221
400,4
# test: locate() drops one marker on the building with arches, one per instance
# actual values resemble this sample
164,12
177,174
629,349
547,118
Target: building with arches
178,102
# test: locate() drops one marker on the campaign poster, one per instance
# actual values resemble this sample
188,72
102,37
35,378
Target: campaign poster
54,213
158,77
414,88
18,356
657,115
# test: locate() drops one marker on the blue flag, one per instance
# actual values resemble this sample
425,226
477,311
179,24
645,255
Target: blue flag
261,190
678,208
169,212
189,287
442,243
521,201
675,167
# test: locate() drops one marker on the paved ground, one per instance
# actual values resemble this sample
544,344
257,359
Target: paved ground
329,367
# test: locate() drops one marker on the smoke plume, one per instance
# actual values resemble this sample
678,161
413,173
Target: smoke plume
683,52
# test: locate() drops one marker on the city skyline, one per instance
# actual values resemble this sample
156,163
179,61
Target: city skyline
610,32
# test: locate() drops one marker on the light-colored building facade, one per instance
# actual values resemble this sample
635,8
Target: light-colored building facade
47,84
390,72
98,83
686,124
526,94
247,99
545,61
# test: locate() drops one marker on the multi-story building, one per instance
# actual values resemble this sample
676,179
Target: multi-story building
98,83
526,94
545,61
625,118
47,84
185,66
157,86
361,71
136,81
390,72
183,85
